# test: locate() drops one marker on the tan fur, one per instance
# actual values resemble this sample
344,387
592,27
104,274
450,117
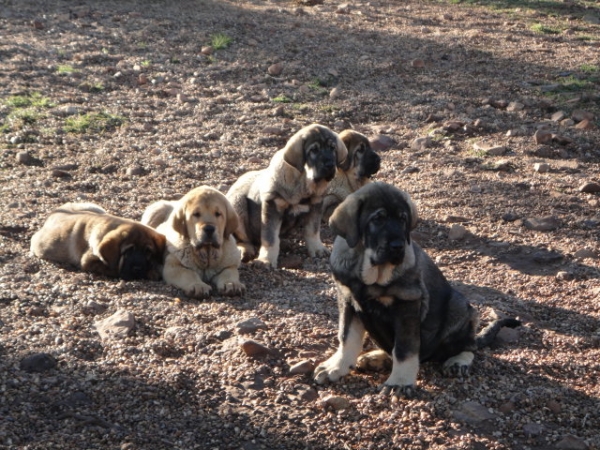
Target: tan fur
195,258
85,236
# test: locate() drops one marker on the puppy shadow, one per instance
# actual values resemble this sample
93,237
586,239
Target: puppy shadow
527,259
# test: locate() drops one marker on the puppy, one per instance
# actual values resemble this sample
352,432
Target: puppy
356,171
201,250
390,288
85,236
288,194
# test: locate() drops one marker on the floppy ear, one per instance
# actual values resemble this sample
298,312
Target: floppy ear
160,241
232,220
413,215
109,248
178,221
341,150
345,220
346,137
293,152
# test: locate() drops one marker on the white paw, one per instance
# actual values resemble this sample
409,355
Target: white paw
268,256
232,288
318,250
333,369
198,290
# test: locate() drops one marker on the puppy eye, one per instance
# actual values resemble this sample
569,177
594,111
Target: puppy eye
218,214
360,149
196,214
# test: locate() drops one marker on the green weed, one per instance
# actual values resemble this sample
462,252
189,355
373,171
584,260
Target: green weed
219,41
544,29
281,99
65,69
93,122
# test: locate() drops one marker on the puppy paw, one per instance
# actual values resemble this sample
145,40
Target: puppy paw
406,391
232,289
333,369
459,365
198,290
248,252
318,251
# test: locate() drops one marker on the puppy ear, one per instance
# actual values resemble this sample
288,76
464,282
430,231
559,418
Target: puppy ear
341,150
109,248
178,220
345,220
293,152
232,220
413,215
160,241
346,137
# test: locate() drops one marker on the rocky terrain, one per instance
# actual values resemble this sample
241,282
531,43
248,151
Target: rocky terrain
486,112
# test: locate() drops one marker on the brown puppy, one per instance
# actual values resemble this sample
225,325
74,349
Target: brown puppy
84,235
356,171
287,194
201,250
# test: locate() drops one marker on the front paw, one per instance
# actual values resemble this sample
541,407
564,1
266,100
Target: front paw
459,365
318,250
268,257
333,369
405,391
232,289
198,290
248,252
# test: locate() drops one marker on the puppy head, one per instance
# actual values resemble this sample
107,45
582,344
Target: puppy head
361,156
205,218
134,251
380,217
316,150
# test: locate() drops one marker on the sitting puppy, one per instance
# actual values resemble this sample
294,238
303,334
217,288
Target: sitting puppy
201,249
85,236
389,287
356,171
287,194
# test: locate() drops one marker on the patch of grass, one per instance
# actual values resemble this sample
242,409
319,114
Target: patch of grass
589,68
174,60
19,118
572,83
88,86
65,69
35,100
146,63
219,41
93,122
281,99
544,29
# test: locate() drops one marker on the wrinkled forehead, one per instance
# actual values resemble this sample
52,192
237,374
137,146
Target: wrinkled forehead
393,207
320,137
206,204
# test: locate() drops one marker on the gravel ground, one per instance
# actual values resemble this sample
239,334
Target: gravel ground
488,117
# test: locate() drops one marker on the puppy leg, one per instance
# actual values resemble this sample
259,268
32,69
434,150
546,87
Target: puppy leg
351,337
458,365
91,263
228,282
271,219
405,355
312,231
244,244
183,278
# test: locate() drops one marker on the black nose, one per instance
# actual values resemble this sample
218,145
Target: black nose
209,229
397,245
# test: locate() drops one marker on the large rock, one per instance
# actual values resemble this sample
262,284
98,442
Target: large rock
117,326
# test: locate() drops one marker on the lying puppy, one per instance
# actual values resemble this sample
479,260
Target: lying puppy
85,236
356,171
287,194
389,287
201,250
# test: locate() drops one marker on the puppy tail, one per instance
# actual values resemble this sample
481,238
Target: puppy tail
489,333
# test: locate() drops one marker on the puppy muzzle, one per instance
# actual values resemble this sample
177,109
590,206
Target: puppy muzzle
390,253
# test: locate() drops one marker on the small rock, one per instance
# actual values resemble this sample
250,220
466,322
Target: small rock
277,131
334,93
117,326
336,403
56,173
278,111
585,125
567,123
585,253
558,116
546,257
571,443
275,69
498,150
308,394
381,143
533,429
410,169
508,335
542,137
549,223
473,413
454,219
343,8
38,362
589,187
457,232
564,276
207,50
554,406
250,325
26,159
254,349
509,217
515,106
417,63
506,408
134,171
499,104
93,308
142,79
421,143
579,115
302,368
541,167
37,24
183,98
562,140
452,125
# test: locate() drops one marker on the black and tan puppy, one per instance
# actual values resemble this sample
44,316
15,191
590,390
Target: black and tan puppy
287,194
389,288
201,250
85,236
356,171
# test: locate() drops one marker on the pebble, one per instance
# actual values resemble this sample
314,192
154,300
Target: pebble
250,325
454,219
533,429
38,362
567,123
57,173
508,335
509,217
26,159
515,106
381,143
421,143
473,413
549,223
207,50
571,443
93,308
564,276
417,63
335,402
589,187
585,253
335,93
558,116
117,326
506,408
277,131
579,114
135,171
542,137
541,167
302,368
457,232
554,406
254,349
275,69
585,124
